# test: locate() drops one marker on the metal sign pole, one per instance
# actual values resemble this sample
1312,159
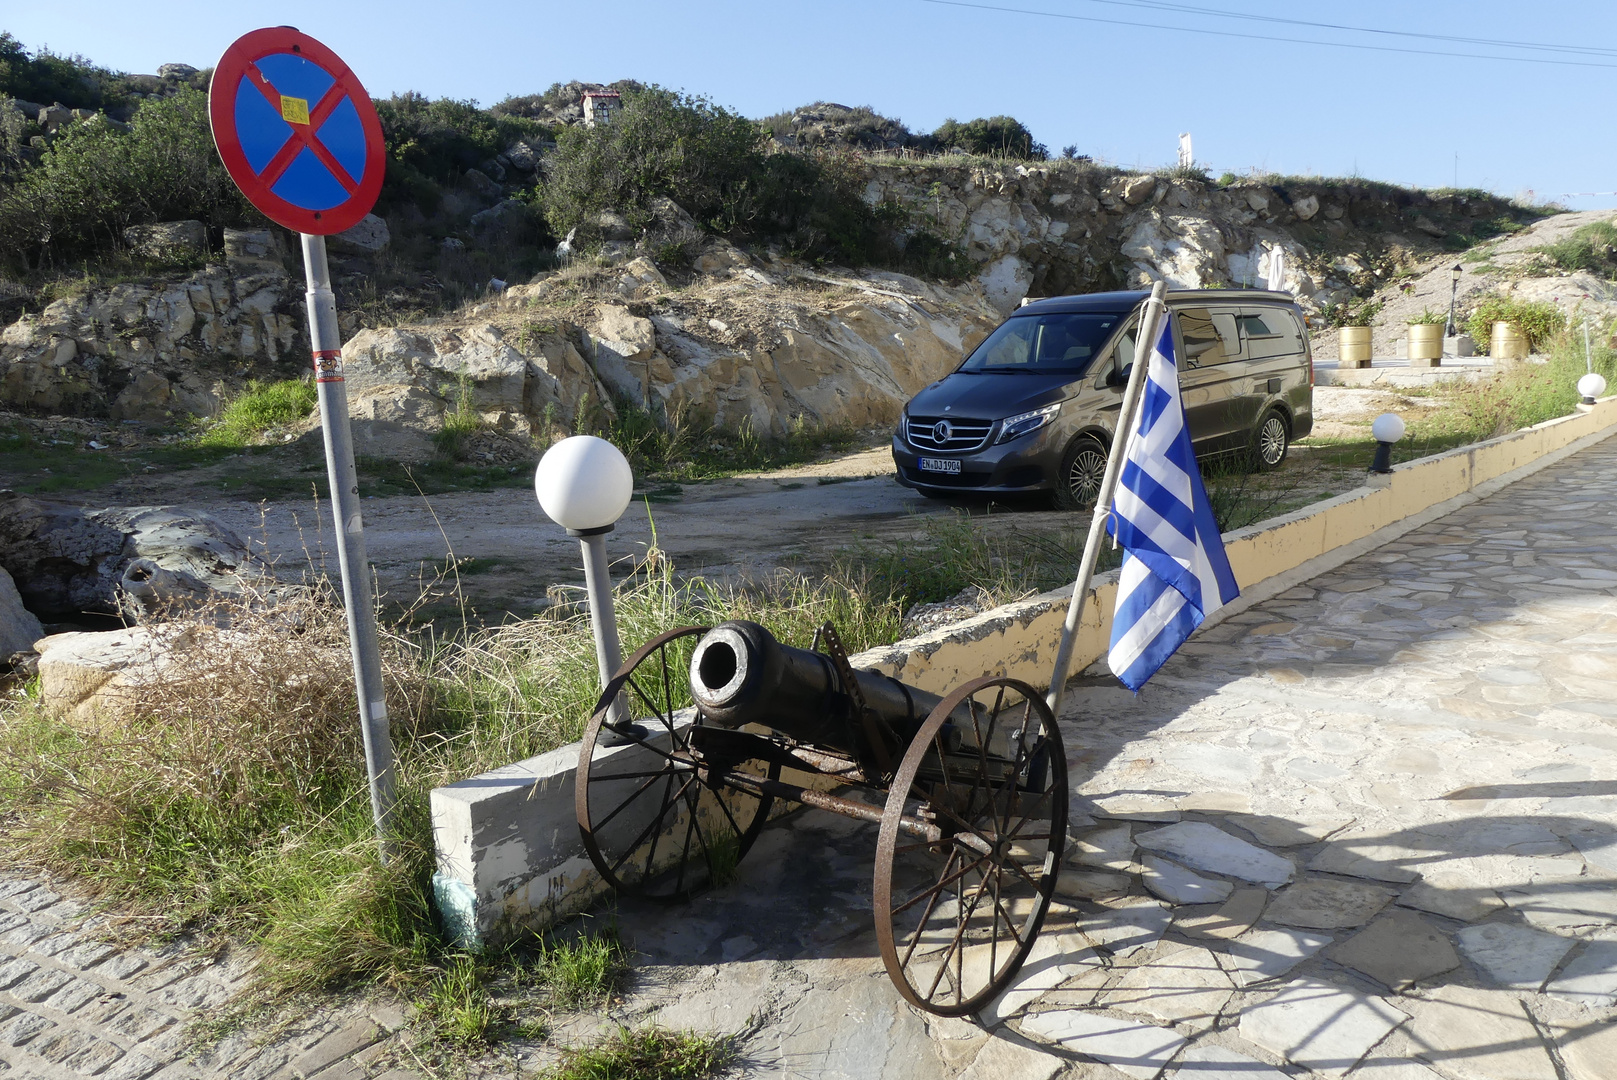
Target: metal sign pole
326,341
1150,319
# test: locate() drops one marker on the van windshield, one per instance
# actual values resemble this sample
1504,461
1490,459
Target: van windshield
1058,342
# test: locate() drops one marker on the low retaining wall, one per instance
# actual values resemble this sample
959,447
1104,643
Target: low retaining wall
509,855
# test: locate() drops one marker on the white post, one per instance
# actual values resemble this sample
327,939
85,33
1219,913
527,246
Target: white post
326,341
1150,321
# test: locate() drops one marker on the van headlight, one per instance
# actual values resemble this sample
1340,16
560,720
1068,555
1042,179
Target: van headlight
1014,427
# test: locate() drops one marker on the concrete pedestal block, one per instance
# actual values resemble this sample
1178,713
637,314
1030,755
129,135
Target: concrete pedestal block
1459,345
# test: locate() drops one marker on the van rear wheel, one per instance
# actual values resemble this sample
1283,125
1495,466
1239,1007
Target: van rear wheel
1083,467
1271,443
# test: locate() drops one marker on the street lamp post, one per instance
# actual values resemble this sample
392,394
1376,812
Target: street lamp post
1387,429
584,484
1450,330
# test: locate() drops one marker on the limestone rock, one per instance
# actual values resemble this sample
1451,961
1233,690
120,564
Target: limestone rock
168,238
1398,950
1318,1026
367,237
72,560
1327,905
1137,1050
1513,956
1451,1023
19,627
1184,986
1205,847
1269,954
1137,189
87,678
1306,207
1176,885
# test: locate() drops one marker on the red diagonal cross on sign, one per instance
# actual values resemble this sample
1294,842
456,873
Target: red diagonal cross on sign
357,167
303,135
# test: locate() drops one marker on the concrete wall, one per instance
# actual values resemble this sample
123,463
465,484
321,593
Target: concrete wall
508,849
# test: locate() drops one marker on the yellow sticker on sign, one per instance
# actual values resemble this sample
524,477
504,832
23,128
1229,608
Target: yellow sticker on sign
294,110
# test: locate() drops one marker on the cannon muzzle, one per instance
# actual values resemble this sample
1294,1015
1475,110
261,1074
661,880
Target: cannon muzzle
741,675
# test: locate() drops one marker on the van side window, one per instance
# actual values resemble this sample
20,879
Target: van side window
1210,336
1270,332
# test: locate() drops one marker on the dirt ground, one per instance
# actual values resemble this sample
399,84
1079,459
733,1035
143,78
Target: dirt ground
747,526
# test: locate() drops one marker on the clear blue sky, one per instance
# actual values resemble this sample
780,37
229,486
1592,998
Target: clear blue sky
1120,93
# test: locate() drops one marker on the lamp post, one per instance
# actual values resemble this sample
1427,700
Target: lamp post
584,484
1591,386
1449,329
1387,429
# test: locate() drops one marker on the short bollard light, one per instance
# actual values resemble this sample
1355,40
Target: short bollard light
1592,386
1387,429
584,484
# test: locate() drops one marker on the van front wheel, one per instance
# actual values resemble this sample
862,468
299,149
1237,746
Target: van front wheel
1083,467
1272,442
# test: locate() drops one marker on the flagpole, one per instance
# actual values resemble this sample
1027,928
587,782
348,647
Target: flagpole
1150,319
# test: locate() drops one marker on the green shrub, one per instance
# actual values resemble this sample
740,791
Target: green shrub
1539,320
46,78
1428,317
96,180
1002,136
430,143
660,143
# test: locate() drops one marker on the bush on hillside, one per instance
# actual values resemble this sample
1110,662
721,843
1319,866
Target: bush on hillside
95,180
1002,136
46,78
1592,247
660,143
712,162
431,143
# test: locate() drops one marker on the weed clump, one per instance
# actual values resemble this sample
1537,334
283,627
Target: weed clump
260,408
650,1053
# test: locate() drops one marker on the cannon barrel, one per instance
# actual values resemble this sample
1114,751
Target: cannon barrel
741,675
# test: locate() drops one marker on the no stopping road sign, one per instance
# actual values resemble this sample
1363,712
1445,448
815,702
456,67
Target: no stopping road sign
296,131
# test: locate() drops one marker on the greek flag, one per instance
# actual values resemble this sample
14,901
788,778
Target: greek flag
1175,572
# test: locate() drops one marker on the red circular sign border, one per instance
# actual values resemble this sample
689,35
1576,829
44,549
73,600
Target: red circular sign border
227,76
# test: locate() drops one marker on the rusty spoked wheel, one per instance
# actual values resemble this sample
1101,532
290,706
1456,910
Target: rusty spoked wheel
956,915
655,818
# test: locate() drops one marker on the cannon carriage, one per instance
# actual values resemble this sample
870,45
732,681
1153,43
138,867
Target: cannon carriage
703,733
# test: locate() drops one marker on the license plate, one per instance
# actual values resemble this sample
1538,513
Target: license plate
943,465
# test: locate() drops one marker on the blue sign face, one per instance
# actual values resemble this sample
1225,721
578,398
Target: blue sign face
308,180
296,131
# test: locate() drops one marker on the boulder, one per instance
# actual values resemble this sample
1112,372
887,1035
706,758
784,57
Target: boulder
368,237
177,72
167,239
614,226
1306,207
482,185
1137,189
501,216
255,251
87,679
70,560
19,627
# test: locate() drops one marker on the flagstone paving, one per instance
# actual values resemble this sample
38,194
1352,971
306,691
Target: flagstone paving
1364,830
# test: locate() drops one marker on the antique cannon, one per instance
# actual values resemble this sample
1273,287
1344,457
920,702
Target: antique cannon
702,731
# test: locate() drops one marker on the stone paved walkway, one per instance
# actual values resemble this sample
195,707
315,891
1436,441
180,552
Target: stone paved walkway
1367,829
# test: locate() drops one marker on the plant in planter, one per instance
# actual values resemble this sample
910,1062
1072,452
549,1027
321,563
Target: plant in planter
1426,336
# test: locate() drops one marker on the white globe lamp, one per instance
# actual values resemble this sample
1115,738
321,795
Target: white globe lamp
1387,429
1591,386
584,484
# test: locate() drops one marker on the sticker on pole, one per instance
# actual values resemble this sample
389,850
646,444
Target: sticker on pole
296,131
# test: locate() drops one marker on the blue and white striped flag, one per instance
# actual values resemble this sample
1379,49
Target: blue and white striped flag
1175,572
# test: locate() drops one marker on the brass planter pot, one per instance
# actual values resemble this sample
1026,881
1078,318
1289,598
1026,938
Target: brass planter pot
1508,343
1426,342
1353,347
